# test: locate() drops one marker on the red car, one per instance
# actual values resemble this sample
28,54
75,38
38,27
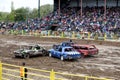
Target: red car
86,50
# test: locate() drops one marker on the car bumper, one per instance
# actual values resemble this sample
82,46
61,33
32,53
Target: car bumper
18,54
73,57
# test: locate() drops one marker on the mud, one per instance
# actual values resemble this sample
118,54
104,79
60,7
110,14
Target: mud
105,64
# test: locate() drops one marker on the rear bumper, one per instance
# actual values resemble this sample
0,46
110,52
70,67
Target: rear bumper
73,57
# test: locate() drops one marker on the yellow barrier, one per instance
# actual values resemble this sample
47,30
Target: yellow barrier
48,33
74,35
79,76
52,75
13,71
0,70
62,35
88,35
105,36
8,71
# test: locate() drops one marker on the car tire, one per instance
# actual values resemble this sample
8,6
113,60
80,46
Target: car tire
15,56
82,55
26,56
50,55
62,58
43,53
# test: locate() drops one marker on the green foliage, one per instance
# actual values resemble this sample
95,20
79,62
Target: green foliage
46,9
3,16
33,13
22,14
10,17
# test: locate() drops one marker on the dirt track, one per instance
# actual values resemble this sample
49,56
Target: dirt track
106,64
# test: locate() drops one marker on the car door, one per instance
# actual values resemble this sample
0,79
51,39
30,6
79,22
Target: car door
84,50
59,52
55,53
39,50
93,50
35,50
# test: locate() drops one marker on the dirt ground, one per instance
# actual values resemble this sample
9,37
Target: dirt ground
105,64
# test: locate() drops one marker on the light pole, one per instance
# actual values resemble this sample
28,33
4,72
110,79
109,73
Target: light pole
38,8
81,8
105,9
59,8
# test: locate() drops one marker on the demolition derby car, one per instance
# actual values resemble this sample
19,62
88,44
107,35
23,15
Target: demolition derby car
64,53
64,44
27,52
86,50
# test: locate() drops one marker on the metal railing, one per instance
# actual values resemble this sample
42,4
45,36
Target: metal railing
73,35
12,72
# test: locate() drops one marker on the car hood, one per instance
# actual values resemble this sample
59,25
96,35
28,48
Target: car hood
72,53
51,50
21,50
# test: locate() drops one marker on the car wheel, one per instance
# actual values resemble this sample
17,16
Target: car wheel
61,58
45,53
26,56
15,56
50,55
82,55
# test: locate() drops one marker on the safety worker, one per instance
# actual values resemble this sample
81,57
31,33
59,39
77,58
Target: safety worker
23,72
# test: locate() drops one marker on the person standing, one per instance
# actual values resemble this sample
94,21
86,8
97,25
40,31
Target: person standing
23,72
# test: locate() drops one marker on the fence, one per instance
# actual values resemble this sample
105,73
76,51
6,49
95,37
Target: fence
12,72
77,35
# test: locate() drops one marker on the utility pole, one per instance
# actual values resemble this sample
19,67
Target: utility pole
38,8
59,7
81,8
105,9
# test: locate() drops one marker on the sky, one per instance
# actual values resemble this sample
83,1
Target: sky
5,5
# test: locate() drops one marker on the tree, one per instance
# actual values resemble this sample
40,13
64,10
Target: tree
3,16
46,9
10,17
33,13
21,14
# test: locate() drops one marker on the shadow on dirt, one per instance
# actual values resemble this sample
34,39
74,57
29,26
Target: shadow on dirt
31,57
90,56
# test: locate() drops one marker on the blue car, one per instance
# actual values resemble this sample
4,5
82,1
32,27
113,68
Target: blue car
64,53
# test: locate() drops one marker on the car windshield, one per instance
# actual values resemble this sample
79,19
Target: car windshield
67,43
26,47
69,49
80,47
92,47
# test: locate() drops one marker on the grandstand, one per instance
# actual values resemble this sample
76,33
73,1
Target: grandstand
90,3
85,14
101,16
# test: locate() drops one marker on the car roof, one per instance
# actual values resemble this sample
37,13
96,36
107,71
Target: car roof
31,45
67,47
83,45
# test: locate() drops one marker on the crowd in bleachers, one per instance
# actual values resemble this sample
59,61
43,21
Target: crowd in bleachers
30,24
69,19
92,20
